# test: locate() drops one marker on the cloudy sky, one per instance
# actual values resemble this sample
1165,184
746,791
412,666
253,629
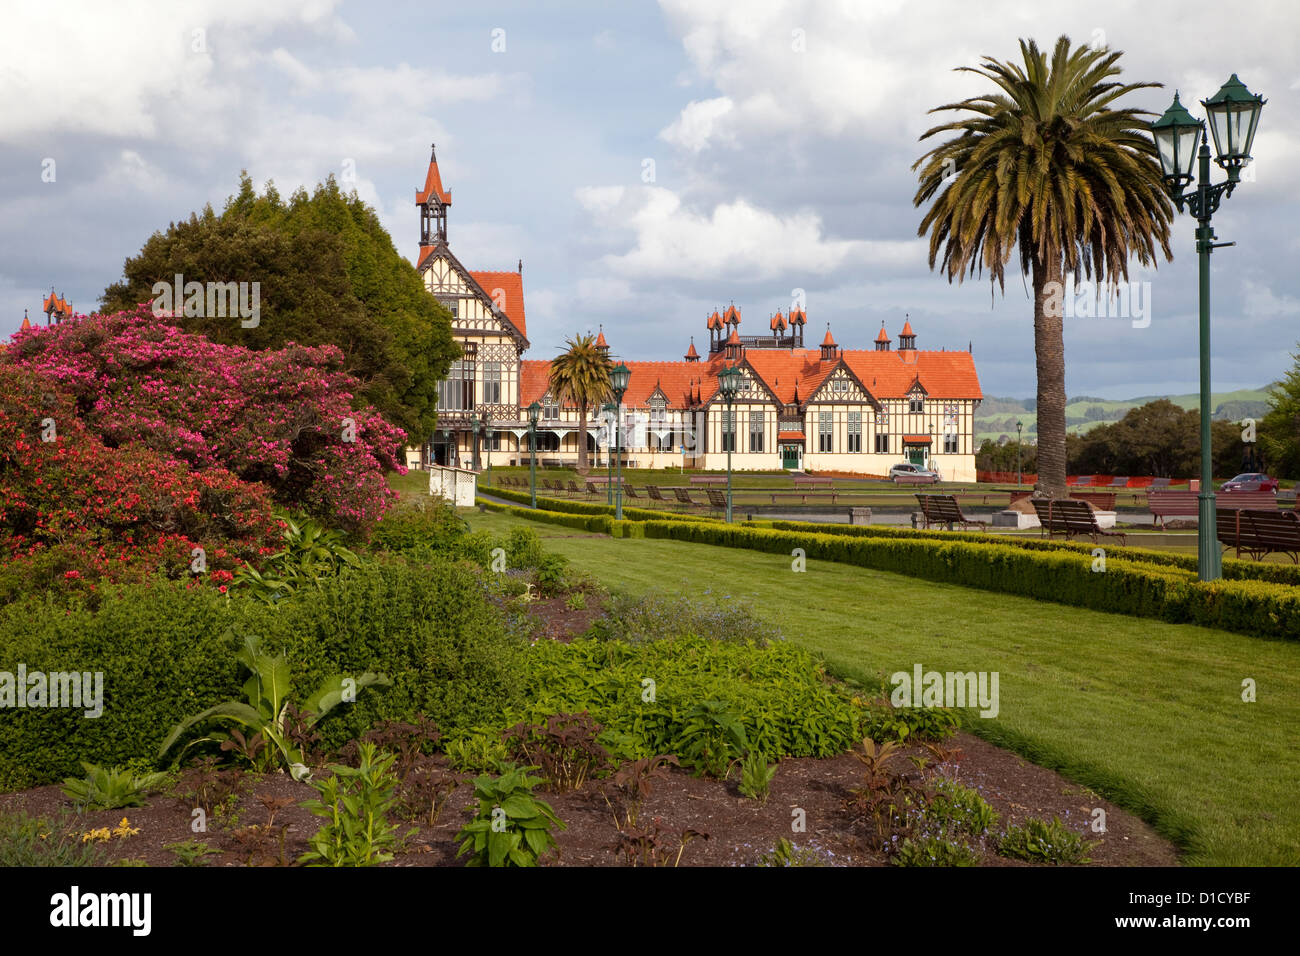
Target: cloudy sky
647,162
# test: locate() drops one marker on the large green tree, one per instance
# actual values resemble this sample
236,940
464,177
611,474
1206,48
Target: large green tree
580,376
1045,168
1279,430
328,274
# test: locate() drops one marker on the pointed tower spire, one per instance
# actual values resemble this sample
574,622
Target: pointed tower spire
601,344
433,201
691,354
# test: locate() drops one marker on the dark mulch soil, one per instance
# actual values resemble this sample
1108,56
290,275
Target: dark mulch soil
740,830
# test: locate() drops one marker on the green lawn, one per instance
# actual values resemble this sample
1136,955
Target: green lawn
1147,713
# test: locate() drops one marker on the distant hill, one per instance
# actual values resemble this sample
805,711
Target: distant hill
998,416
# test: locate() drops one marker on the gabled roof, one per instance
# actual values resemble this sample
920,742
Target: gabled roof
732,315
715,320
798,317
432,183
512,285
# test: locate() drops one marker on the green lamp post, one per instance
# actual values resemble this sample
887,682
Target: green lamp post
729,380
1234,116
475,427
619,376
1020,474
610,410
534,411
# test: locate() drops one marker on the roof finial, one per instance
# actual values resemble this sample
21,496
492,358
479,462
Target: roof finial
521,266
433,152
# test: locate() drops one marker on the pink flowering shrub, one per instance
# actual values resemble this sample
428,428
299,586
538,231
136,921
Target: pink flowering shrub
281,419
75,511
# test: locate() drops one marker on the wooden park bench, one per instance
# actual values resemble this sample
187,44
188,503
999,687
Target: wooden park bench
717,500
1118,483
592,489
573,487
1235,500
684,496
811,481
1260,532
1171,504
630,492
1071,518
655,494
1079,481
1159,484
944,510
708,479
1104,500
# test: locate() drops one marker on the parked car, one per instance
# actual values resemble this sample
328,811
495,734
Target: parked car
1251,481
913,472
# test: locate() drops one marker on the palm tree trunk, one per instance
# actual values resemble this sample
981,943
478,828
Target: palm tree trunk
1049,356
582,439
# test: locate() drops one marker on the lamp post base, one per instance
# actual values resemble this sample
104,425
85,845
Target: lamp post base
1210,563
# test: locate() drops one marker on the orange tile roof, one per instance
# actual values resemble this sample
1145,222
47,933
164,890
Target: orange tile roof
916,439
791,374
600,341
778,322
734,337
732,314
907,329
433,185
828,340
512,303
882,335
798,317
789,436
715,320
691,353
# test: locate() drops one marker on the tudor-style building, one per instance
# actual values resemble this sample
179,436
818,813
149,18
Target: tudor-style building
823,409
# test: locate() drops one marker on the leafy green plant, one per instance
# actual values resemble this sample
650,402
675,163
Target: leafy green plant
786,853
214,789
576,601
957,808
756,776
524,549
191,852
564,748
311,553
906,724
476,752
934,851
711,738
107,788
1039,841
551,571
354,803
37,841
511,827
266,711
657,617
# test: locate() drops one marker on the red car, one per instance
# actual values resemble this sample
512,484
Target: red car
1251,481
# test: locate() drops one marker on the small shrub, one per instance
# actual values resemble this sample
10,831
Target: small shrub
653,846
191,852
633,782
511,827
958,808
564,749
1041,842
756,776
786,853
37,841
354,804
524,549
551,570
905,724
656,617
887,799
934,851
711,738
476,752
576,601
110,788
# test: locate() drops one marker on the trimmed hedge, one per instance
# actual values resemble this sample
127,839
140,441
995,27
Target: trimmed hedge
167,653
1233,569
591,508
1127,586
600,524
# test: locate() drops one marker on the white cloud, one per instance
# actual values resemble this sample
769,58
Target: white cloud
696,126
735,240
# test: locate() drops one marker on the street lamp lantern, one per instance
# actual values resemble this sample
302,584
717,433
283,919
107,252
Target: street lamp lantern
1176,134
1234,117
534,413
729,380
619,377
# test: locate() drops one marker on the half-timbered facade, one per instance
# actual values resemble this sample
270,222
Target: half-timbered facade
825,409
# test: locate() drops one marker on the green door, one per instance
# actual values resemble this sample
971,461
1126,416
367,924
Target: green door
789,456
916,455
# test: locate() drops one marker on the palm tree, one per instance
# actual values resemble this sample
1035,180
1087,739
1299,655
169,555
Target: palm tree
580,375
1045,166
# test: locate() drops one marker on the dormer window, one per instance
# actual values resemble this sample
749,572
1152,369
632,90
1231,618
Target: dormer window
550,408
916,404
